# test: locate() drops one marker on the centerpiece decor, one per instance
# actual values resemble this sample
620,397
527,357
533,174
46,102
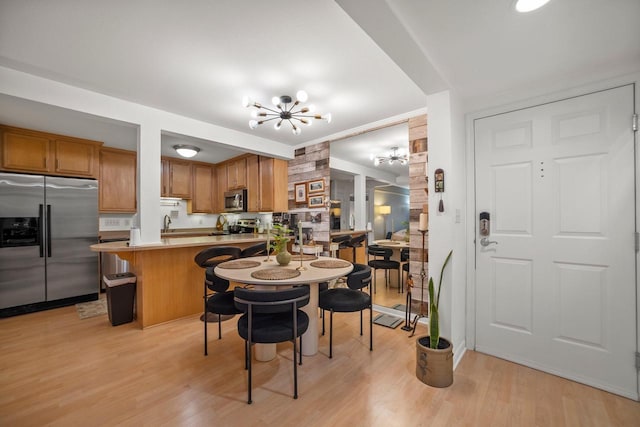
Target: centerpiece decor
281,235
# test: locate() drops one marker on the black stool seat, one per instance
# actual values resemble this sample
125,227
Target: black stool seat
258,249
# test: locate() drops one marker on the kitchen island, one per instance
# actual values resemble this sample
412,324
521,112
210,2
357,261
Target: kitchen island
170,284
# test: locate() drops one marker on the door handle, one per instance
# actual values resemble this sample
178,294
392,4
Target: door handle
486,242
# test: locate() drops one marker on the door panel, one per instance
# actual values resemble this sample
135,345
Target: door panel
557,291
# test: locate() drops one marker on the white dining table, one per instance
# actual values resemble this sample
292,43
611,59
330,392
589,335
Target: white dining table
309,275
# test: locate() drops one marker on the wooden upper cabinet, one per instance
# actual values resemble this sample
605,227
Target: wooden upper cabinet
220,187
203,189
75,158
267,184
117,181
253,183
25,150
176,178
237,173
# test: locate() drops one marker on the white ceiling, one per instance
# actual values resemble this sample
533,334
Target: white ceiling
363,61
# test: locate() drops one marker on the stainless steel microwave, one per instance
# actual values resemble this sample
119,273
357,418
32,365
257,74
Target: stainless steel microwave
235,201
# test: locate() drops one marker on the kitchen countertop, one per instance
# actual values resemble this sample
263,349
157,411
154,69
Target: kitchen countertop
180,242
333,233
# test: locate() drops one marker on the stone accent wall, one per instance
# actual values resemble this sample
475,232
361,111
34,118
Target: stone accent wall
418,200
311,164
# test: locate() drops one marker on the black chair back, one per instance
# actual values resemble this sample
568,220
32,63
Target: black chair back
360,277
214,255
271,302
259,249
341,240
357,241
378,251
404,255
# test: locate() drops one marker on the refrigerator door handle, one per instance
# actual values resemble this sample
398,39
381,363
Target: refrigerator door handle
40,231
49,231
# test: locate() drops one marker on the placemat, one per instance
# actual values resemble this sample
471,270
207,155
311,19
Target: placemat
275,274
330,263
305,257
239,264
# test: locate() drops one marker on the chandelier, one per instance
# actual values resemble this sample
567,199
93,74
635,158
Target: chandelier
286,110
392,158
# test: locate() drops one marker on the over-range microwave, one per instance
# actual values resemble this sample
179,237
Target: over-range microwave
235,201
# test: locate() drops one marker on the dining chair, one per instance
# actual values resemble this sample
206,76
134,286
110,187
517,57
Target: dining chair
356,242
257,249
272,316
337,243
217,299
382,261
348,300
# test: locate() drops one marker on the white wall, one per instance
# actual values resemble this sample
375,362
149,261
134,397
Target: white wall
446,151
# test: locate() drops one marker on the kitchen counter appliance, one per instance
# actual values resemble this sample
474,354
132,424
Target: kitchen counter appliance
46,227
243,226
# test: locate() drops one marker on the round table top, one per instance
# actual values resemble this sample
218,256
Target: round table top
392,243
311,274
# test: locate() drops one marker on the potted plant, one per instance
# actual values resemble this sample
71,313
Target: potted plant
434,354
281,235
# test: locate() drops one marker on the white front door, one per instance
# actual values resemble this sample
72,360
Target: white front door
557,290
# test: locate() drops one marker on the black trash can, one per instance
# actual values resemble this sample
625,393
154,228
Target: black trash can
121,291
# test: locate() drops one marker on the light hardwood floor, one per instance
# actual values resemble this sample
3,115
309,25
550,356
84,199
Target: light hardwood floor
58,370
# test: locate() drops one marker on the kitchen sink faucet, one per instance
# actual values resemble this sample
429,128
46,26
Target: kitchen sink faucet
167,222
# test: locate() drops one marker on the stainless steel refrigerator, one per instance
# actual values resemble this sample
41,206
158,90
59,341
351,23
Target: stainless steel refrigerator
46,227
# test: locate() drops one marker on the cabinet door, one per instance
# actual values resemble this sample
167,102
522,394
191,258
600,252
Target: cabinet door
180,179
220,187
117,180
274,176
165,171
202,201
237,173
253,183
75,158
25,152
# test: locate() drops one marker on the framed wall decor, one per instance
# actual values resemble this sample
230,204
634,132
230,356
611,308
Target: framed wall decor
316,201
300,190
315,186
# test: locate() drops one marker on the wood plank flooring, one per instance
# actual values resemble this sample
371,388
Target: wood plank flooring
58,370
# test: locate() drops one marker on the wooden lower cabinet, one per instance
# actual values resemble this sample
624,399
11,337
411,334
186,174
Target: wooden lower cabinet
117,181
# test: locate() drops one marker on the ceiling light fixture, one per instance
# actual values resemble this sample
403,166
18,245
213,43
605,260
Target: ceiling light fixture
186,150
285,112
395,156
529,5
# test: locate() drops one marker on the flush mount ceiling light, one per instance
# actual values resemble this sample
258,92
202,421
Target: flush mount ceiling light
186,150
395,156
285,111
529,5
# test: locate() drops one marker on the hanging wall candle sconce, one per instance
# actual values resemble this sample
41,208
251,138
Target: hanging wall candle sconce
439,187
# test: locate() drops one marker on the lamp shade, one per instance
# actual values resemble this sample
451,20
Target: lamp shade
384,209
186,150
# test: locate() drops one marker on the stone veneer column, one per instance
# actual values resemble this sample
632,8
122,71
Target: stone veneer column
418,200
311,163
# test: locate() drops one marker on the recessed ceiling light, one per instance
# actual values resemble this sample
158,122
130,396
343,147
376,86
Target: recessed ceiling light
529,5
